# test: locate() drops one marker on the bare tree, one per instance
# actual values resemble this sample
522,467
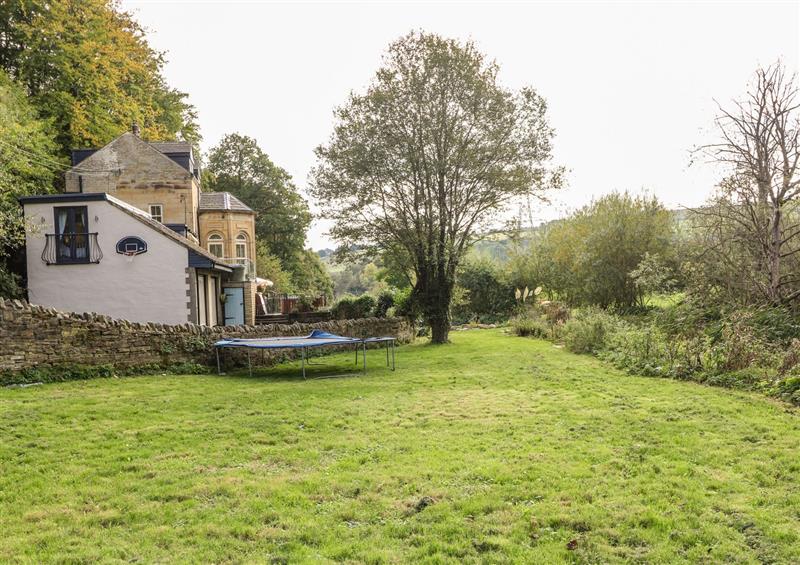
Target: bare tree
753,223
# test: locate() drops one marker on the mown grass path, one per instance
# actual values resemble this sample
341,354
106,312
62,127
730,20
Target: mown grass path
491,449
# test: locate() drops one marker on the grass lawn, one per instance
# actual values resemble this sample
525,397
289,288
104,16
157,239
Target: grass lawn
491,449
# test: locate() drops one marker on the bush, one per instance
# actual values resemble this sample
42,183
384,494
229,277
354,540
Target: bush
788,389
349,308
384,303
588,331
404,304
529,326
486,293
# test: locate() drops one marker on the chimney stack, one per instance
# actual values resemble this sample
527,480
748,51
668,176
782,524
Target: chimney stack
135,129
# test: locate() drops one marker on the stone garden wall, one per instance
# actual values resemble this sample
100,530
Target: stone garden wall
33,337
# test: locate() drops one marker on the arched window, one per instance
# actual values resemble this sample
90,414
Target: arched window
215,244
241,246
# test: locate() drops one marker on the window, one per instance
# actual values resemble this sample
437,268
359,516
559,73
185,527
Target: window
215,244
241,246
157,212
72,234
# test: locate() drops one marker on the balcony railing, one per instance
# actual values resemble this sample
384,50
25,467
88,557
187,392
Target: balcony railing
71,249
249,266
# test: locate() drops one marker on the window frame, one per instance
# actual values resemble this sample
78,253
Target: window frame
243,241
75,236
160,218
215,239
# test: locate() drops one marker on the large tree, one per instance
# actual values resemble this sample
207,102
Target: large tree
28,165
239,166
751,229
89,70
425,158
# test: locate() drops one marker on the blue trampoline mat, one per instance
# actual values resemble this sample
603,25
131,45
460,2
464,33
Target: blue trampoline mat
316,338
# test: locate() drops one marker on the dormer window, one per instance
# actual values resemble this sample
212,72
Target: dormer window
157,212
215,244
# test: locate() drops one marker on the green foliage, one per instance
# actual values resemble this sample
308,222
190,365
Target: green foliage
405,304
349,308
488,294
422,193
736,349
268,266
239,166
591,258
27,164
357,276
384,302
652,275
77,372
588,330
530,325
309,275
89,70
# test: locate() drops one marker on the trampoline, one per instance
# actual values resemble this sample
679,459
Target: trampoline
316,338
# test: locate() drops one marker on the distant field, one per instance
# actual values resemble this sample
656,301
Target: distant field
492,449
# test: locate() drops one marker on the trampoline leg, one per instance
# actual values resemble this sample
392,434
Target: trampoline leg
249,365
364,353
219,371
303,360
387,353
356,354
392,355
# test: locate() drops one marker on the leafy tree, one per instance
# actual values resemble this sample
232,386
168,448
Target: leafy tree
309,275
588,258
27,166
424,159
89,70
269,267
239,166
653,275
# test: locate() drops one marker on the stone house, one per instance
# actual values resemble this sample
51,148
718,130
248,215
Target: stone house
134,236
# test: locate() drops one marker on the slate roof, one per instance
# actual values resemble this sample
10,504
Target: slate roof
178,151
171,146
222,201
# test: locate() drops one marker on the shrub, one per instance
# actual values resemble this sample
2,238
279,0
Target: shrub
529,326
588,331
788,389
384,303
751,378
349,308
485,291
405,304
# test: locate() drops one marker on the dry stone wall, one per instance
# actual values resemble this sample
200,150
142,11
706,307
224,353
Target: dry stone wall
34,337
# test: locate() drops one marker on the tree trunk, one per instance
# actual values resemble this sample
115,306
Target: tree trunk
775,256
435,292
440,326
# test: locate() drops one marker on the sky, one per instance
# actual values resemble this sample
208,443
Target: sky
631,87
